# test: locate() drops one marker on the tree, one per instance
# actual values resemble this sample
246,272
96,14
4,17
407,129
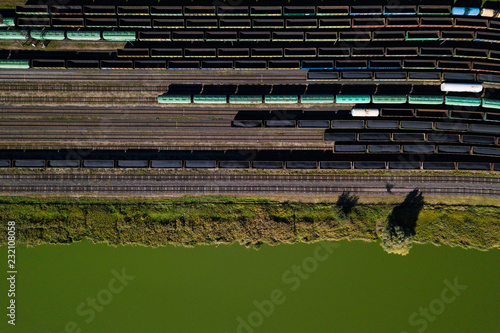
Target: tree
397,235
396,241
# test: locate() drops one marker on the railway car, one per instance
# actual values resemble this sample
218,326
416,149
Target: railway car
439,165
344,137
374,136
462,87
369,165
86,64
29,163
383,149
480,128
68,22
250,64
335,165
234,164
14,64
210,99
14,34
98,164
462,101
65,10
281,99
119,36
418,149
166,10
404,165
446,149
479,139
317,99
133,164
430,100
174,99
32,10
280,123
416,125
313,123
400,10
83,35
267,165
356,76
434,10
201,164
48,63
7,22
365,112
408,137
168,164
48,34
486,151
488,12
33,22
245,99
449,126
474,166
491,103
348,123
467,11
64,163
332,10
233,11
301,165
352,99
389,99
246,123
388,124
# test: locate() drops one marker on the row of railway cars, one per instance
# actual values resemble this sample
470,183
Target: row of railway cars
331,99
212,164
374,73
479,73
416,149
457,126
390,10
410,35
254,23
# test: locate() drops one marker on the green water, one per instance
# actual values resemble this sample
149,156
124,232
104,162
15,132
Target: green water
355,288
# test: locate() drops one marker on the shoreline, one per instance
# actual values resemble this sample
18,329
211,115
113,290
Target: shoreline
250,221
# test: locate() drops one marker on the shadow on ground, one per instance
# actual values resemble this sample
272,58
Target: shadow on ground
347,201
405,215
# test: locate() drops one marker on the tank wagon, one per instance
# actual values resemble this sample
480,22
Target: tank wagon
487,103
461,87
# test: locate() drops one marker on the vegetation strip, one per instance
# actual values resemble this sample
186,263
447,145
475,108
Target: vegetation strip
251,221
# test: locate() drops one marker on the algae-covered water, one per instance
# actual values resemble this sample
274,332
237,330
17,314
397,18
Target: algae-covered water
325,287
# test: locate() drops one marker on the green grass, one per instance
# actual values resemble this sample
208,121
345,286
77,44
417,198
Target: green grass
11,4
251,221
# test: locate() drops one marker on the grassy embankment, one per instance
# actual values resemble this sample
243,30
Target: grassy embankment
246,220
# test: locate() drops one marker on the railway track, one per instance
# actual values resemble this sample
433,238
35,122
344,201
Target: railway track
261,189
157,124
147,77
176,135
81,88
368,179
80,100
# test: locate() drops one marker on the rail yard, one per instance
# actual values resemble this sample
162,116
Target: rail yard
164,142
275,88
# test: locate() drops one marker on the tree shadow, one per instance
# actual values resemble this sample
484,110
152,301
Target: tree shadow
347,201
405,215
